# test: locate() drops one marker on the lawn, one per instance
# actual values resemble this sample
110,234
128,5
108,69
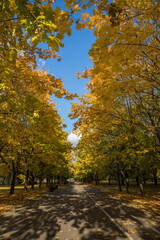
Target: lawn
19,197
150,202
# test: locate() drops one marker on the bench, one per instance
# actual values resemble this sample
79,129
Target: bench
53,187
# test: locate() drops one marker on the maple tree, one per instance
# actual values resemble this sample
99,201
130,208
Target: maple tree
123,98
32,135
118,116
26,22
28,118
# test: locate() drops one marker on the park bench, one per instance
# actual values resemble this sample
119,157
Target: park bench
53,187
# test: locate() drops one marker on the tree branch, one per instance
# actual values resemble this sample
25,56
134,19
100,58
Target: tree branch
10,19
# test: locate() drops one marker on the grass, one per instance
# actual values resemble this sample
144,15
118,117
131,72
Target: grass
151,201
19,197
19,187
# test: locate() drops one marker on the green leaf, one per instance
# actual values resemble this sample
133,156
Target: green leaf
44,36
41,17
3,6
36,39
26,22
54,43
2,86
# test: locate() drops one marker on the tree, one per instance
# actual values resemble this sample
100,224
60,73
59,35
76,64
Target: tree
124,88
28,116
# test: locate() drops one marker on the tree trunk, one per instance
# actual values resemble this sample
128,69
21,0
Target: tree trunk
137,180
127,178
40,182
119,182
144,179
61,180
155,176
109,180
126,182
140,178
3,181
97,178
91,177
122,180
58,179
32,182
65,180
26,181
118,177
13,179
9,180
47,182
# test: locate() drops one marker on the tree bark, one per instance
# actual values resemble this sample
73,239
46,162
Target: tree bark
26,180
144,178
97,178
3,181
58,178
126,182
40,182
155,176
13,179
127,178
137,180
48,181
140,178
122,180
109,180
32,182
118,177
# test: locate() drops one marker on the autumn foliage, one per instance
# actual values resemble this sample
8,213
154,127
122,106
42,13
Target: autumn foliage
33,143
119,115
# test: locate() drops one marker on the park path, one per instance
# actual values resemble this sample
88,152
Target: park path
79,213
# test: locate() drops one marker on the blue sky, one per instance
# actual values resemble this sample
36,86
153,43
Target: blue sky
74,58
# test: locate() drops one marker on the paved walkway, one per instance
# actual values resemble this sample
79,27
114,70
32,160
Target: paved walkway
78,213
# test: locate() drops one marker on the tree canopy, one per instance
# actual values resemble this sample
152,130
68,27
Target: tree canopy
33,142
119,116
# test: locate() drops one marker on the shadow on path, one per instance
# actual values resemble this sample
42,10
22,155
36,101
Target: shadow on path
71,214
